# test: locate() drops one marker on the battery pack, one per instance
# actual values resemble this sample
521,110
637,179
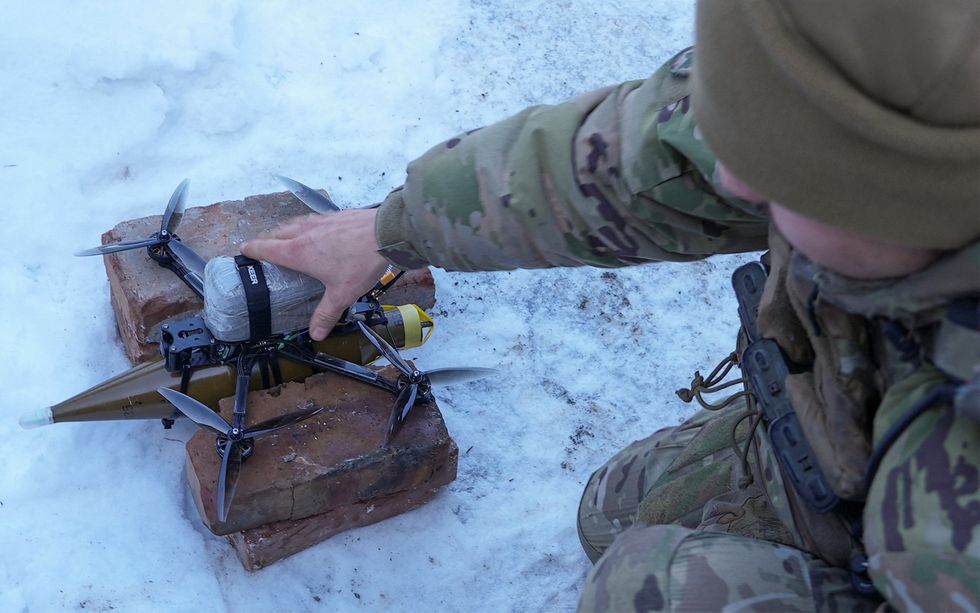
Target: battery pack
293,297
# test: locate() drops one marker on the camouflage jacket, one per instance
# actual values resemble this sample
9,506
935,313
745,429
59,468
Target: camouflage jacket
620,176
612,178
885,377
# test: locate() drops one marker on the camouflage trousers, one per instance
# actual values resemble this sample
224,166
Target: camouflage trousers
692,519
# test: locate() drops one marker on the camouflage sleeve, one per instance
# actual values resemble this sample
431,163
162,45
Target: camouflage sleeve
615,177
922,515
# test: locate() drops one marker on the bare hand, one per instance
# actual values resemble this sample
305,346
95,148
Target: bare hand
339,249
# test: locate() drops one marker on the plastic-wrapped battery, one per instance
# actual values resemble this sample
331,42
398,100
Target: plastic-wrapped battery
293,297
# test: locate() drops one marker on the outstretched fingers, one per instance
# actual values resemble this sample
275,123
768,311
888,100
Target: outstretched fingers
292,228
337,249
272,250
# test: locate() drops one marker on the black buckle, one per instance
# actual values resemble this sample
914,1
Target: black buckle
764,364
749,280
766,368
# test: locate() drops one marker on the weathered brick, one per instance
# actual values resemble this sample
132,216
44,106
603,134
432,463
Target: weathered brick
144,295
260,547
332,465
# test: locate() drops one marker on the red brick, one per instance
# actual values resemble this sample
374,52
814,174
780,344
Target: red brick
144,295
260,547
332,465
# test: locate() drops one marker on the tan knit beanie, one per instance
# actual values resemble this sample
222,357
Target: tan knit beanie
864,114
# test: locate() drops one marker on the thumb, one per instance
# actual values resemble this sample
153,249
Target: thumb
324,318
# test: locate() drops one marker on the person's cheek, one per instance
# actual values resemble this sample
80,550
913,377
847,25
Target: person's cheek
736,187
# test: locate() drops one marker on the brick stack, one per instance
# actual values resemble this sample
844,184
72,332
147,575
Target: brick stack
312,480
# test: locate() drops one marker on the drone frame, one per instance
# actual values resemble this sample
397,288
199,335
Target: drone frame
188,345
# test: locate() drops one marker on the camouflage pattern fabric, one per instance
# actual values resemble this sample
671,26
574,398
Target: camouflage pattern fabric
615,177
878,348
921,523
683,526
673,568
922,518
691,476
621,176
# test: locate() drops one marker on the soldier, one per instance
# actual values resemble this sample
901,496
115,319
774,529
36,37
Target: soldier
851,148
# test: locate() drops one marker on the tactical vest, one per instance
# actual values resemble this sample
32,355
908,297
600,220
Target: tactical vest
845,342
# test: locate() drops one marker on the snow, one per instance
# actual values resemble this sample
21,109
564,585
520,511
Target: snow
106,106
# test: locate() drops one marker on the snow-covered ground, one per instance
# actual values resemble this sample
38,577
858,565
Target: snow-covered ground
106,106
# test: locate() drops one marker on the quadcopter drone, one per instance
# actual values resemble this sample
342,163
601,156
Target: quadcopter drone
189,345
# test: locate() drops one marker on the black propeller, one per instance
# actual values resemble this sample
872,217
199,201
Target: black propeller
175,209
308,196
187,256
313,198
234,444
165,246
106,249
171,219
415,382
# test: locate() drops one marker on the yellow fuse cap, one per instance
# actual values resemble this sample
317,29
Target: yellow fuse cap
417,323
